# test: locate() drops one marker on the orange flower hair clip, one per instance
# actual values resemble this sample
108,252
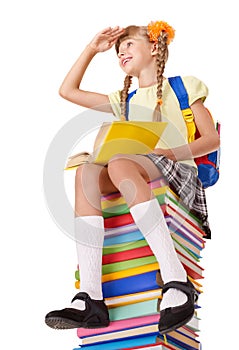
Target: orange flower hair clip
156,28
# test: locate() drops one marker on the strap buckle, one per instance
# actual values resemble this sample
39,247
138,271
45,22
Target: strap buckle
189,119
188,115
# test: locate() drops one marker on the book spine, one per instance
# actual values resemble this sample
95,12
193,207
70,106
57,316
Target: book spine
119,325
127,255
129,285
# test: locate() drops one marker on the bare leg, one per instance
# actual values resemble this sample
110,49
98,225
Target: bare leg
91,182
130,173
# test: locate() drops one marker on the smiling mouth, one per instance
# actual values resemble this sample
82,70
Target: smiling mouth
126,60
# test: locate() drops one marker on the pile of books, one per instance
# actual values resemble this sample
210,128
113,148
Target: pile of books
131,280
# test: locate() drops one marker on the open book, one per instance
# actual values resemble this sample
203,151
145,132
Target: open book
127,137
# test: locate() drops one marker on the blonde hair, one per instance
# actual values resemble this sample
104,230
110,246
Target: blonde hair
161,58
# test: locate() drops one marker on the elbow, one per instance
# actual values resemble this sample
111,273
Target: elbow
63,93
215,141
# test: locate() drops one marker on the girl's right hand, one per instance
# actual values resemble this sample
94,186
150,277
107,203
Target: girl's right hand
106,38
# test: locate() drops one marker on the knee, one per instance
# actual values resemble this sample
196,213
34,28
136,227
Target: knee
81,170
117,163
118,167
85,173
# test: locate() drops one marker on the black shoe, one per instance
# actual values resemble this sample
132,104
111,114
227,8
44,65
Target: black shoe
172,318
95,315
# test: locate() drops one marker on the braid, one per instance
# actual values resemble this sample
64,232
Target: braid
161,59
124,95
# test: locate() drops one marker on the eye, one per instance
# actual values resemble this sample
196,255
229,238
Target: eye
129,43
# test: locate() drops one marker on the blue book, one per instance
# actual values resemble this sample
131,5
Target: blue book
129,285
123,238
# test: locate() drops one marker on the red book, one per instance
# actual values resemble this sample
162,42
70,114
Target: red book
127,255
120,220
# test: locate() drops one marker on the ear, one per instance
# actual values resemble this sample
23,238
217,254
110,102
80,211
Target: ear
154,49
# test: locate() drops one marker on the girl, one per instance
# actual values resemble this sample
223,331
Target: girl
142,53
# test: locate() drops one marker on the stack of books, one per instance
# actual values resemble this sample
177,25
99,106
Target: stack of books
131,280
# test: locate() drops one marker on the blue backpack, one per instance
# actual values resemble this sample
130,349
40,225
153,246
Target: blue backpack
208,165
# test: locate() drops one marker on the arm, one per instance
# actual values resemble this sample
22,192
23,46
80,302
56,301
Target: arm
207,142
70,88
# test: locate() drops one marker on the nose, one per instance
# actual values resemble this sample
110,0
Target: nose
121,54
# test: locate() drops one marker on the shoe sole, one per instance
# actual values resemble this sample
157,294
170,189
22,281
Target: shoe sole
65,323
176,326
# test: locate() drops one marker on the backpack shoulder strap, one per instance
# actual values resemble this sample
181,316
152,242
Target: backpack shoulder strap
178,87
130,95
180,91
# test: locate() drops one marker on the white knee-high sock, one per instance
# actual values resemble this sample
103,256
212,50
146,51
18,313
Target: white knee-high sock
89,235
150,220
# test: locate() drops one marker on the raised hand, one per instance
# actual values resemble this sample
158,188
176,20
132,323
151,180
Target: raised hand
106,38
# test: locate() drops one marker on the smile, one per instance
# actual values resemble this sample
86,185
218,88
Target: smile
126,60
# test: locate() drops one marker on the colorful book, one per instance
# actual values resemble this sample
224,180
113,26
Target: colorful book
127,255
129,285
118,206
112,269
133,281
125,265
179,337
124,247
123,238
120,334
144,308
181,341
133,298
119,325
137,342
138,249
120,220
177,230
122,344
166,198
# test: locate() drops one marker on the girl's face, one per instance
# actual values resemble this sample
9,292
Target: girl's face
135,55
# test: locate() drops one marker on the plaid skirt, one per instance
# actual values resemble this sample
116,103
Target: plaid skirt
183,181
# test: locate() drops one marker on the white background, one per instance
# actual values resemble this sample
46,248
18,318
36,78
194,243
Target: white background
39,43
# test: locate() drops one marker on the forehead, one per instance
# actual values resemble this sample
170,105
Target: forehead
136,38
132,33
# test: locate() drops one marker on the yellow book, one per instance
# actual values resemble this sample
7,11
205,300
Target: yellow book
126,137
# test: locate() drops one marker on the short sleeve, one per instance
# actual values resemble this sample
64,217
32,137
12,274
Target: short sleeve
114,98
196,89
